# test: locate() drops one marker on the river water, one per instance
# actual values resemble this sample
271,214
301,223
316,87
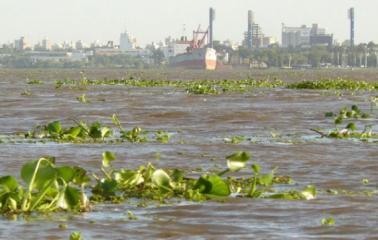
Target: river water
277,123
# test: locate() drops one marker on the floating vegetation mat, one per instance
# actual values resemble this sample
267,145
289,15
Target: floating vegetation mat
335,84
223,86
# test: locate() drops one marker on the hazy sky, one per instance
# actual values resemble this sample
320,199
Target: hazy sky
153,20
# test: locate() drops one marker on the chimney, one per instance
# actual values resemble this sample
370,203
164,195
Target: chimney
211,27
351,17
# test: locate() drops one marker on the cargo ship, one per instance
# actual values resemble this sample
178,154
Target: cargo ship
196,58
200,53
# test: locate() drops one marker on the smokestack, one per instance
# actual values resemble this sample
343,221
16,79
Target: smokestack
351,17
211,27
250,29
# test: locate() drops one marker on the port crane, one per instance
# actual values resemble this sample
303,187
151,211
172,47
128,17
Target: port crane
200,38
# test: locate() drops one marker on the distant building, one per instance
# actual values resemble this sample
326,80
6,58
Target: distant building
95,44
321,40
46,44
107,51
305,36
79,45
40,56
319,37
254,36
268,41
127,42
65,45
58,56
295,36
79,56
21,44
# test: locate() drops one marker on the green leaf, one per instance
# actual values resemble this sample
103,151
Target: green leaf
95,130
76,236
9,183
351,126
266,179
45,173
309,192
365,115
328,221
12,204
163,137
115,120
106,187
66,173
107,158
161,179
129,178
178,175
72,197
105,132
80,176
82,99
54,127
256,168
355,108
131,216
213,185
338,120
74,132
237,161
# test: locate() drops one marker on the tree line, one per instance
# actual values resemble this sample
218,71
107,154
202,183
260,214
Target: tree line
362,55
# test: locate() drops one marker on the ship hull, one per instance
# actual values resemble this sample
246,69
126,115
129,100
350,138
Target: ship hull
202,58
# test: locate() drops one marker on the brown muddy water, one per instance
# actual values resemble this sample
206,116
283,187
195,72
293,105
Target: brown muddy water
200,124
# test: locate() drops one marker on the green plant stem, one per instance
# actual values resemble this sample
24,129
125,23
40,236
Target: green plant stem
41,195
223,172
26,201
106,173
253,187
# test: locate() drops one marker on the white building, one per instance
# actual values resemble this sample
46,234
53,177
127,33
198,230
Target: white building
127,42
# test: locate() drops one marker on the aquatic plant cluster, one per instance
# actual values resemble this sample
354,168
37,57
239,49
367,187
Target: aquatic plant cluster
351,129
192,87
223,86
83,132
96,132
335,84
48,187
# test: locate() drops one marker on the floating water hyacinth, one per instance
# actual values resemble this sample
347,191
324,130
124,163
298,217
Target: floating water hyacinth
49,188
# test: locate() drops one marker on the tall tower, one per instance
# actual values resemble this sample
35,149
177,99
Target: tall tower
250,29
351,17
211,27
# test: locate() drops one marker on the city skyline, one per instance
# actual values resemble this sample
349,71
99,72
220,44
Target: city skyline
152,21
